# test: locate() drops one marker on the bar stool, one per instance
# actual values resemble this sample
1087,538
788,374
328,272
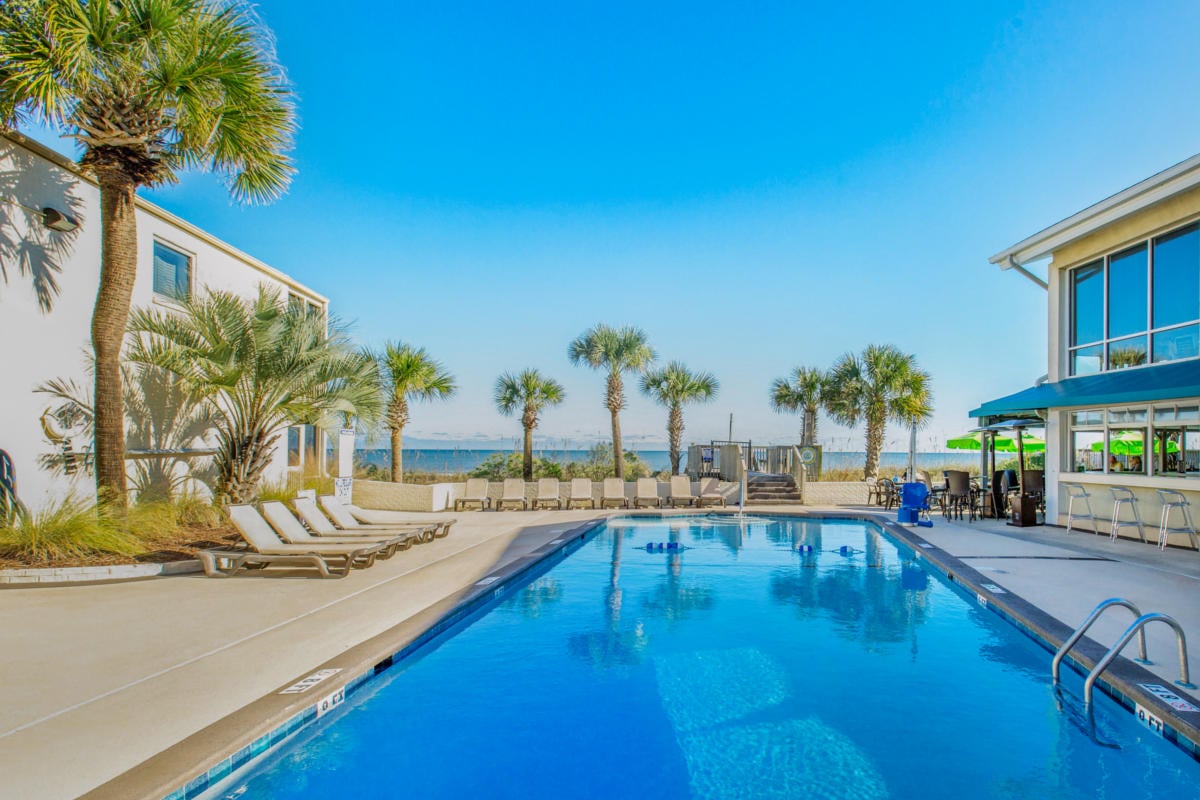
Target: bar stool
1123,496
1171,501
1077,492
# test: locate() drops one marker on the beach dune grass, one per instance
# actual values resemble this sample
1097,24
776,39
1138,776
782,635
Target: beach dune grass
69,529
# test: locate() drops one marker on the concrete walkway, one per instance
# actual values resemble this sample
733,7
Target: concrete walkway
101,678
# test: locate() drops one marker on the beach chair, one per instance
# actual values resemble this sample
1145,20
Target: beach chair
647,494
681,491
343,517
709,493
267,549
476,493
319,524
581,492
548,494
514,494
613,494
292,530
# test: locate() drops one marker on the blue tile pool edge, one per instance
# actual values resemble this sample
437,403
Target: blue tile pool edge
1120,681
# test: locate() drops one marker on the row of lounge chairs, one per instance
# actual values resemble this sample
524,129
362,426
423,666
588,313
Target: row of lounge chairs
612,494
333,542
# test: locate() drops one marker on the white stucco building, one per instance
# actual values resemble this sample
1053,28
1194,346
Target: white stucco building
48,284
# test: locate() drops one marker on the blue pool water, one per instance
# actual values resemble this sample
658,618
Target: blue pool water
738,667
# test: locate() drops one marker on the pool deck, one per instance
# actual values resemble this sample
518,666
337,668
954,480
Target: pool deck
103,677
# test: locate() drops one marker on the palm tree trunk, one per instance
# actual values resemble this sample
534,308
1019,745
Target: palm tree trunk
615,401
527,455
810,427
875,428
397,455
674,435
118,270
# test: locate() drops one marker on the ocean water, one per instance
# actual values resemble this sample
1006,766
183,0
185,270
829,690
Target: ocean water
738,664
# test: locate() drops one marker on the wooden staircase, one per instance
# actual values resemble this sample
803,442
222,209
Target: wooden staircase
766,489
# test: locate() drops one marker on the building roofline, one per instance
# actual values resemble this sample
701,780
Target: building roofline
1171,181
58,159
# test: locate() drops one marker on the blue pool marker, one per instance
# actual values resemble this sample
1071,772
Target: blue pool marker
806,548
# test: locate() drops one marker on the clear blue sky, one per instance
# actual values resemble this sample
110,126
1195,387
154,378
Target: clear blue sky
758,186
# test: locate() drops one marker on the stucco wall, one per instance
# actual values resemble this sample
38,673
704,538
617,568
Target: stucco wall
1149,505
835,493
42,344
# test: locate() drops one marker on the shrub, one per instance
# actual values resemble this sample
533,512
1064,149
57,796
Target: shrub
68,529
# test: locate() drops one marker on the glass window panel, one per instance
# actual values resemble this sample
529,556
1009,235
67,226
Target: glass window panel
1119,415
1125,450
1087,304
1187,413
172,272
1129,352
1087,451
295,304
1095,417
1177,278
1177,343
1127,281
1087,360
1171,449
293,446
311,435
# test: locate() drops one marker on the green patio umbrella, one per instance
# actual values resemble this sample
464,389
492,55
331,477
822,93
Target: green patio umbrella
1004,444
1129,443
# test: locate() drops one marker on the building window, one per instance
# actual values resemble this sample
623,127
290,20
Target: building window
172,272
1116,440
293,446
1138,306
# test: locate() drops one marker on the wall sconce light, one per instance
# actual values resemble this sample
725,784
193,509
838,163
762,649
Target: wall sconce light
58,221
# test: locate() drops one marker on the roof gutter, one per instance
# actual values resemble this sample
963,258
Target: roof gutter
1011,263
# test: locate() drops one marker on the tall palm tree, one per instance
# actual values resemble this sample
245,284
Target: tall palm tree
804,390
672,387
146,88
408,373
528,392
880,385
617,350
261,367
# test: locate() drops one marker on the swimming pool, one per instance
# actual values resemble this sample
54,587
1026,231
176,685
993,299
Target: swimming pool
734,664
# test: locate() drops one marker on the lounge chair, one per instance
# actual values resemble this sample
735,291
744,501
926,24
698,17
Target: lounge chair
320,525
476,493
647,494
581,492
344,519
292,530
548,494
514,494
266,549
613,493
681,491
710,494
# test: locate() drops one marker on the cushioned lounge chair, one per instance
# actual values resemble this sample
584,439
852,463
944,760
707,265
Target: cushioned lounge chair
343,517
710,494
476,494
647,494
292,530
681,491
581,493
267,549
613,494
514,495
548,494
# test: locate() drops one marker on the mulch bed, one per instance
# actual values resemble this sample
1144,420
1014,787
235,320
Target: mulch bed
181,547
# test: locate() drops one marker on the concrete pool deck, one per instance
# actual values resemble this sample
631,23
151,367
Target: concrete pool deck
102,678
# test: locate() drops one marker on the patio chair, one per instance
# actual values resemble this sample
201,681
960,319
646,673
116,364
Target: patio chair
680,489
267,549
292,530
476,493
887,494
647,494
581,492
710,494
514,495
959,495
343,517
936,494
613,493
548,494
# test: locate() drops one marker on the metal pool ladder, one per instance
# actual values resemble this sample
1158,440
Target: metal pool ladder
1097,612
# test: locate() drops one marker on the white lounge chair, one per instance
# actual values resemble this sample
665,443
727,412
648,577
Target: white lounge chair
613,494
548,494
514,494
710,494
647,494
681,491
292,530
344,519
476,493
581,492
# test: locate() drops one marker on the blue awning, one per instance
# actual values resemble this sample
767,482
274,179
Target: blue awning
1119,387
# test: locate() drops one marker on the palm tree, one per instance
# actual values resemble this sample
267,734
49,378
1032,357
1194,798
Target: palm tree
528,392
804,390
880,385
146,88
408,373
672,387
618,350
261,367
